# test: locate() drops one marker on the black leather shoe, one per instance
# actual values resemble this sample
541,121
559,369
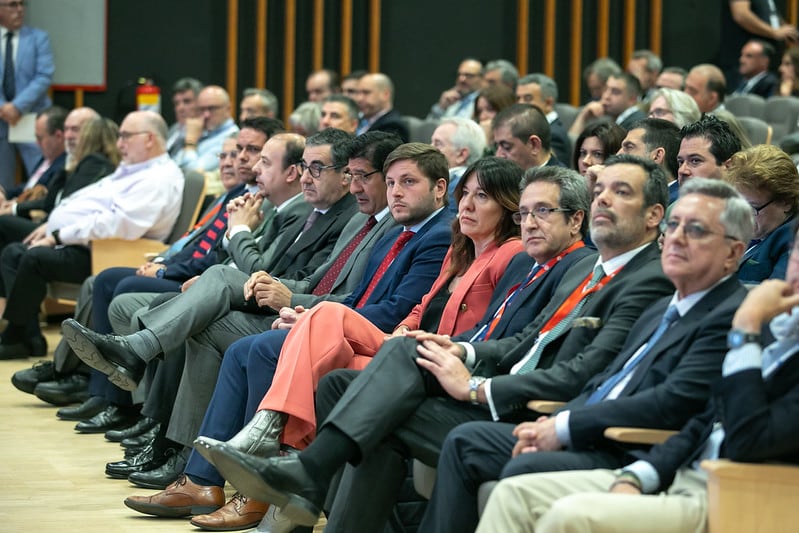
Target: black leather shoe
143,425
110,354
137,463
282,481
164,475
33,347
26,380
140,441
64,391
112,417
84,411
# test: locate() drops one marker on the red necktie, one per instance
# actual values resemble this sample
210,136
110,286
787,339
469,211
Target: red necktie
392,254
326,283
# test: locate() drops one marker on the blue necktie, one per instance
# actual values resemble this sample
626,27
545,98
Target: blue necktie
671,316
9,84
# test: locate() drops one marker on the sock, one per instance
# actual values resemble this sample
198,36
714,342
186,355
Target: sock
327,453
199,480
145,344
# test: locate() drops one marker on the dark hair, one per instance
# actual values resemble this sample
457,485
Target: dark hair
352,107
374,146
339,141
355,75
574,193
609,134
430,161
632,83
659,133
524,120
267,126
656,190
723,142
499,178
498,96
187,84
56,116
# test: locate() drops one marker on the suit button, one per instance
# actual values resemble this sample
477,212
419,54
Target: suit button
463,308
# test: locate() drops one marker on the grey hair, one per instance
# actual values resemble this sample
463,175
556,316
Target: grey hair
468,134
737,216
267,96
547,84
574,193
306,116
187,84
682,106
653,61
508,72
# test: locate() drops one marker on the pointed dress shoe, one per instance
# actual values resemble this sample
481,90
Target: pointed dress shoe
64,390
109,354
26,380
282,481
137,463
181,498
164,475
112,417
91,407
240,512
140,441
143,425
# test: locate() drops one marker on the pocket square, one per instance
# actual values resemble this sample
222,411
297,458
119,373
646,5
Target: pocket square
591,322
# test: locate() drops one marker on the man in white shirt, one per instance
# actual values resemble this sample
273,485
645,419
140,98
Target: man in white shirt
141,198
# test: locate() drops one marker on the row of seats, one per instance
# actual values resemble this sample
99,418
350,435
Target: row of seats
779,112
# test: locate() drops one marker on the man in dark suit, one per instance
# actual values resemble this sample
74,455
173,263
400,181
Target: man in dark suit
753,66
659,378
542,91
376,101
522,134
750,418
619,103
658,140
394,407
26,75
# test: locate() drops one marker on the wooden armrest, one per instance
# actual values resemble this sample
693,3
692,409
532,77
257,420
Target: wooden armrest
771,473
37,215
107,253
544,406
638,435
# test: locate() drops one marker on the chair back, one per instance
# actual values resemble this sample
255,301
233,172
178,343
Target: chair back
746,105
193,193
758,131
781,113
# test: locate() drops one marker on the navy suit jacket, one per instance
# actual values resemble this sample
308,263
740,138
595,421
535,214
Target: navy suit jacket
633,119
410,275
765,87
526,305
55,169
769,258
672,382
392,122
759,417
33,73
559,140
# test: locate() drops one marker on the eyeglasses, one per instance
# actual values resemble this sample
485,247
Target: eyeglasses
539,213
126,135
315,169
359,178
693,230
13,5
233,153
659,112
756,210
209,108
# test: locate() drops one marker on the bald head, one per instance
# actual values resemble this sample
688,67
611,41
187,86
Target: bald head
375,94
142,136
706,84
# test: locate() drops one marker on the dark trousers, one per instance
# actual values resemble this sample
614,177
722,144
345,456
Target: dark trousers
476,452
14,229
244,378
391,410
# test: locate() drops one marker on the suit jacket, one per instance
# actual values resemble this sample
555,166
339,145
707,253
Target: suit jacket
392,122
33,73
759,418
468,302
252,254
674,191
672,382
294,258
632,119
530,301
559,140
765,86
569,361
410,275
352,271
53,170
88,170
769,258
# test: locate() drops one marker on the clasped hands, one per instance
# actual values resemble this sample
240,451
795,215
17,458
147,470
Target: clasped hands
245,210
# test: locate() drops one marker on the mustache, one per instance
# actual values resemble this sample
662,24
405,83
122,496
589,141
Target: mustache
607,212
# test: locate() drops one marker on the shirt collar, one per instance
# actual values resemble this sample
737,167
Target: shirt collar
614,263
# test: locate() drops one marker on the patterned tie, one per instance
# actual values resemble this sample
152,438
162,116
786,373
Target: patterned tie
392,254
9,84
326,283
563,324
485,332
671,316
310,220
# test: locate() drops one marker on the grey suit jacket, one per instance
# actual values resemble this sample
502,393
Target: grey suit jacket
353,269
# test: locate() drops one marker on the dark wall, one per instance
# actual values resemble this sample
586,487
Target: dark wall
421,44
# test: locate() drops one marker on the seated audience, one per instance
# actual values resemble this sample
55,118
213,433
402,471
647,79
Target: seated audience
305,119
596,142
490,101
462,142
789,72
458,101
705,83
522,134
672,78
674,106
596,76
619,103
705,148
204,135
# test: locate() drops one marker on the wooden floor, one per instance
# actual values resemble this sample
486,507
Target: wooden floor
52,478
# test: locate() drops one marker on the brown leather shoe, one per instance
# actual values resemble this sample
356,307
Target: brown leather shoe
181,498
240,512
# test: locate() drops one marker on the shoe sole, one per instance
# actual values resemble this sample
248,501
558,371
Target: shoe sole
239,527
245,479
151,485
169,512
89,354
63,401
203,445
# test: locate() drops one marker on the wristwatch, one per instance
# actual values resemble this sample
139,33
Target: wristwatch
738,337
160,272
474,384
